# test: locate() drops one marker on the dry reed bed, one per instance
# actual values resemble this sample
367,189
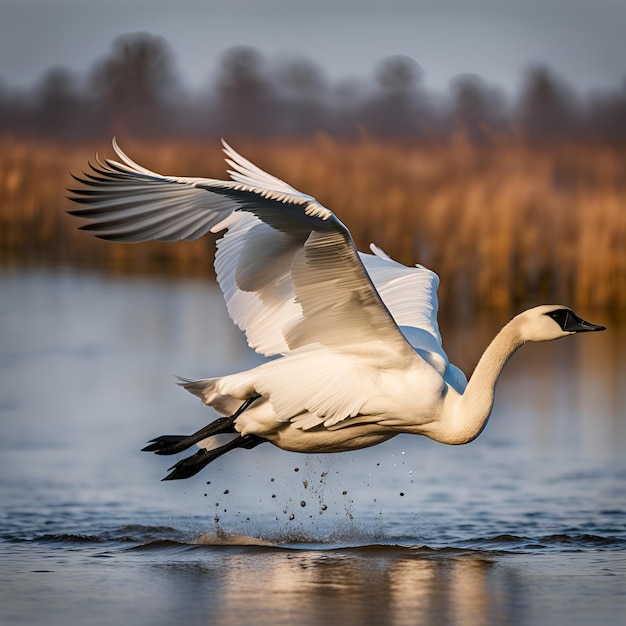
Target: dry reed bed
502,224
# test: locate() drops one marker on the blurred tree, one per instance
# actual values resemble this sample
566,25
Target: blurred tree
16,111
135,85
398,105
547,107
244,95
606,115
476,109
303,94
60,108
398,75
135,90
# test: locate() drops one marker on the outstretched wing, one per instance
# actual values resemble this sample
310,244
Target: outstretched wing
281,246
410,294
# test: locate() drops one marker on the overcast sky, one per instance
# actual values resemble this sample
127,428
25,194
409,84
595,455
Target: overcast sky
584,41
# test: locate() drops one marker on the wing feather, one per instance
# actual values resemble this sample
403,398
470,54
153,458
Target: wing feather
288,267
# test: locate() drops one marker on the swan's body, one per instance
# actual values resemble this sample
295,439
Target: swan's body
360,354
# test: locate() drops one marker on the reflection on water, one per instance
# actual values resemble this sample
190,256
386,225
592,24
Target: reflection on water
525,525
401,588
395,585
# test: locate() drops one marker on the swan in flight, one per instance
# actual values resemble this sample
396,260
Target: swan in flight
359,357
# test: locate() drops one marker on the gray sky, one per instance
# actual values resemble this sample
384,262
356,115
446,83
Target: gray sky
584,41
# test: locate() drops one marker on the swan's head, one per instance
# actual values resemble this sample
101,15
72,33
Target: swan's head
551,321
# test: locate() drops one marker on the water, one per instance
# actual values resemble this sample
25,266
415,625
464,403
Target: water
527,525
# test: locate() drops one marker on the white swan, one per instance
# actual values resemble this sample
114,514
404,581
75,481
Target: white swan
361,358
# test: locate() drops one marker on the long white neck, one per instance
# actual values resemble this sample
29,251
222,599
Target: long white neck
468,416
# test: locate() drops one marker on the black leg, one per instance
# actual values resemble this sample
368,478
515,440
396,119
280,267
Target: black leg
172,444
190,466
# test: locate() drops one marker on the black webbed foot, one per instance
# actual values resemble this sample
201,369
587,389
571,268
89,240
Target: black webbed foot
172,444
190,466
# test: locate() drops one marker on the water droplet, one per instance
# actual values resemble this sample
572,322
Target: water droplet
324,507
273,495
208,482
343,493
226,491
272,480
302,503
403,452
402,493
296,469
292,516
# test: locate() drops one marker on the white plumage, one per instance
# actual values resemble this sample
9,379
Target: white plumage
360,353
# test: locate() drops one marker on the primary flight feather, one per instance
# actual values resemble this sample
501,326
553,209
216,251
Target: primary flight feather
360,353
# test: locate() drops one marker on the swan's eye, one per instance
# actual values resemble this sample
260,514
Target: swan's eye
560,316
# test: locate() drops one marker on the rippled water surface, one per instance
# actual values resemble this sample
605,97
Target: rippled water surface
526,525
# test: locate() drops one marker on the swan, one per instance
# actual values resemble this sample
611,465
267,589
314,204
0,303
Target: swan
358,353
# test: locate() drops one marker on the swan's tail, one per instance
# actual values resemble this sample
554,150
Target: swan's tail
204,388
217,393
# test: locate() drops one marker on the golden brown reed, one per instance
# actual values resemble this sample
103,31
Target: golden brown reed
502,224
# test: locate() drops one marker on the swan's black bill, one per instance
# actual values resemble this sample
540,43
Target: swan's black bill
571,323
